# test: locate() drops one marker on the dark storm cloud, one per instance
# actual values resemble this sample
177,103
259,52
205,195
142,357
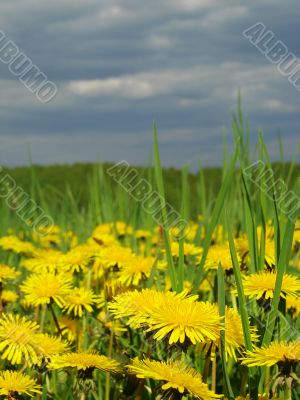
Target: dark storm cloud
119,65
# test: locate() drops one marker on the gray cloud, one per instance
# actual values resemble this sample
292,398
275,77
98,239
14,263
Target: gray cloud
119,65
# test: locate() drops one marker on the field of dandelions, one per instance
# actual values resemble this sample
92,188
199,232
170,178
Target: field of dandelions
112,303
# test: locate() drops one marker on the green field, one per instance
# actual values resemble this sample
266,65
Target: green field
129,298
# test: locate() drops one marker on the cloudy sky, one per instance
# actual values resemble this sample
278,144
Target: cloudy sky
121,64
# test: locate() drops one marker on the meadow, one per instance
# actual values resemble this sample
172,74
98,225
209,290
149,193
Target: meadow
118,300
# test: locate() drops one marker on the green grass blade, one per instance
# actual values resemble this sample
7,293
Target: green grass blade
221,302
161,191
219,205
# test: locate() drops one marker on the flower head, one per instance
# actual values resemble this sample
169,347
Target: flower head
189,249
14,382
16,339
80,299
48,346
234,337
181,318
13,243
7,272
75,260
8,296
218,254
44,261
274,353
176,376
135,304
262,285
169,314
46,287
85,360
135,269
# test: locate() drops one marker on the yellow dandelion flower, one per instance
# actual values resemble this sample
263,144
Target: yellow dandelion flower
14,382
189,249
44,261
175,375
8,296
46,287
13,243
262,285
218,254
135,304
16,339
135,270
118,227
280,353
80,299
169,314
47,346
7,272
105,240
182,318
142,234
84,361
234,336
242,248
101,229
111,257
75,261
122,228
114,256
293,303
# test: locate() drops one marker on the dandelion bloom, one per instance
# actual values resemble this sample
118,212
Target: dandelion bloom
262,285
135,304
16,339
218,254
74,261
234,336
8,296
176,375
135,270
78,300
84,361
181,318
44,261
46,287
171,314
13,243
189,249
274,353
14,382
114,256
293,303
48,346
7,272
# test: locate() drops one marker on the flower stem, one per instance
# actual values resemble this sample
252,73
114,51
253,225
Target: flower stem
287,393
107,379
54,318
